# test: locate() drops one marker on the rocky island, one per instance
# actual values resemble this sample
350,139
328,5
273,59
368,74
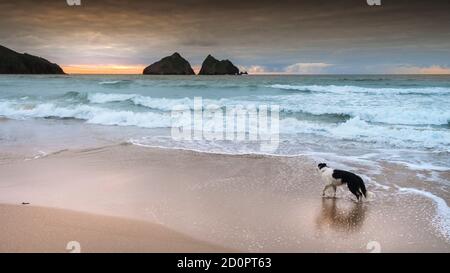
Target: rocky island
170,65
12,62
212,66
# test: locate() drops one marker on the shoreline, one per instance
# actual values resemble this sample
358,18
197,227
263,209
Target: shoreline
250,203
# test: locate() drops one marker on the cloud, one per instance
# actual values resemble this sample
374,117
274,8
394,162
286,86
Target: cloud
263,36
255,69
433,69
297,68
198,43
306,68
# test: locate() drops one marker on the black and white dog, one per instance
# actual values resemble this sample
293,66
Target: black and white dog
335,178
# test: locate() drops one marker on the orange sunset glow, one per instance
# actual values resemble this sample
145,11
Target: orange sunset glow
103,69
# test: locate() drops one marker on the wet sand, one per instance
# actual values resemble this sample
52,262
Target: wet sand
38,229
247,203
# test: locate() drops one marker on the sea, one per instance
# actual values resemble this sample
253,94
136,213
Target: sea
357,122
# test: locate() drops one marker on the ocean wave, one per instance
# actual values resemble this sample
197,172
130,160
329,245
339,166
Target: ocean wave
361,124
365,79
106,98
91,114
392,111
359,130
73,97
387,114
345,89
422,166
402,136
114,83
162,104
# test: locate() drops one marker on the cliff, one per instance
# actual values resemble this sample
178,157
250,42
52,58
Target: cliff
12,62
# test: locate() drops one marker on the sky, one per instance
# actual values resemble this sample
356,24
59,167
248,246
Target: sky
283,36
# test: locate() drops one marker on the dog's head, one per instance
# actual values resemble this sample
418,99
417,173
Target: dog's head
321,165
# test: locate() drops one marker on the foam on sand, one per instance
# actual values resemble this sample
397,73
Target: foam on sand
442,218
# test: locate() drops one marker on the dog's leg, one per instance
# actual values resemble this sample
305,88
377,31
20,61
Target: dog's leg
334,188
326,188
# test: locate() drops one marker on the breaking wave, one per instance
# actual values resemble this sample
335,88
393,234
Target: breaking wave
91,114
388,114
345,89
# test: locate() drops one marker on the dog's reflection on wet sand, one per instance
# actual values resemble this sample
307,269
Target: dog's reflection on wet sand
341,215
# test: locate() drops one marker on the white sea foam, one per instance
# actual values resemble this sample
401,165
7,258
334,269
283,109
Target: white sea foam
419,106
442,218
423,166
401,113
358,89
359,130
128,118
40,154
388,112
353,129
163,104
91,114
113,82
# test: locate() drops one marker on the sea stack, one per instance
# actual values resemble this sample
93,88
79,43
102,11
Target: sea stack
170,65
212,66
12,62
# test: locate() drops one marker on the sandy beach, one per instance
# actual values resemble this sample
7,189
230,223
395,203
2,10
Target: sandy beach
38,229
127,198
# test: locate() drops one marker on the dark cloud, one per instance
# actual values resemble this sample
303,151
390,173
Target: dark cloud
273,34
